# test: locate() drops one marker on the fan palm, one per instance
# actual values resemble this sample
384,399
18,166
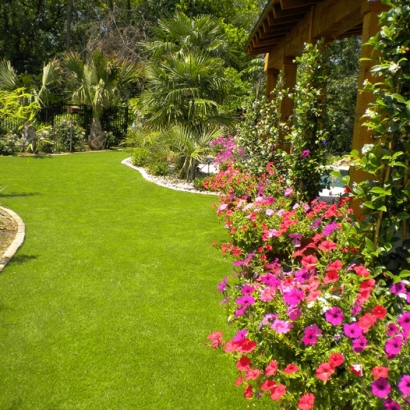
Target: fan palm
98,83
181,34
9,81
191,146
186,88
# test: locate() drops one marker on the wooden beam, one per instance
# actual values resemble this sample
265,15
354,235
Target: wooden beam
319,22
293,4
279,13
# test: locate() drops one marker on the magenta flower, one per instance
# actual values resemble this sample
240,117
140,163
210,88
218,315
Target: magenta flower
247,290
398,288
293,297
404,385
334,316
240,336
393,346
329,229
222,285
305,153
245,300
281,326
311,334
352,331
240,311
302,275
392,329
390,404
270,280
359,344
404,321
381,388
316,224
294,313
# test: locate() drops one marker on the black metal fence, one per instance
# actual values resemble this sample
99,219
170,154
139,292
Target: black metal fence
114,119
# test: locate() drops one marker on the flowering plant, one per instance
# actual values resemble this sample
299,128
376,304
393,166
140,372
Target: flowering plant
313,330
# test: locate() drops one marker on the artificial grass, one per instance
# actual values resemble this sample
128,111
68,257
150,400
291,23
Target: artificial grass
108,303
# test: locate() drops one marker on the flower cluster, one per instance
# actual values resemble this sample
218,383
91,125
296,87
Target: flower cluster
313,328
226,150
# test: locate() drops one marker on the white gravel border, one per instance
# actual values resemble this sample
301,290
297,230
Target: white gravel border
18,240
166,182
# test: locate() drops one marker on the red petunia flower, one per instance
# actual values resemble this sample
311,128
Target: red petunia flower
336,359
278,392
324,371
291,368
271,368
306,402
380,371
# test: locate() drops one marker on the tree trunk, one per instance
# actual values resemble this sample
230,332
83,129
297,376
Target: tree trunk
69,12
97,138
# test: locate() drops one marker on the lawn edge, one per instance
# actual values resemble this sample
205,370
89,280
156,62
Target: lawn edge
18,240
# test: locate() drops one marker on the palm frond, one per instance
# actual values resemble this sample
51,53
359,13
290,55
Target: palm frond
8,76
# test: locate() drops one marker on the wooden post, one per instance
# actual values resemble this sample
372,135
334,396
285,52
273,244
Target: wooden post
271,80
289,69
362,135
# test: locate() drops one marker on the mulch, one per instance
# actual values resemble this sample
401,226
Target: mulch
8,231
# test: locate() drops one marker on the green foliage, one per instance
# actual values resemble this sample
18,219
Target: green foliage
185,75
11,143
159,168
140,156
61,134
385,194
17,104
259,134
307,139
341,93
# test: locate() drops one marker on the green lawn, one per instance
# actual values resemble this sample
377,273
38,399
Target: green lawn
108,303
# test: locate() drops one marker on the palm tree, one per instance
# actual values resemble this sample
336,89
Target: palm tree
9,81
182,34
98,83
192,146
185,89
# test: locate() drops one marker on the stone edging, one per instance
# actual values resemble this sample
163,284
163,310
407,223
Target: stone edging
178,186
18,240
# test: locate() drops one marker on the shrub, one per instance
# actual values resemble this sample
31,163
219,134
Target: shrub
159,168
140,156
60,135
11,143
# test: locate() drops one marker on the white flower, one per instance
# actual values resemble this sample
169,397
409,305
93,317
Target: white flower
367,148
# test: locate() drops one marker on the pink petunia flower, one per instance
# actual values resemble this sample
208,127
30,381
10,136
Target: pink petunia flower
381,388
281,326
404,321
404,385
393,346
334,316
352,330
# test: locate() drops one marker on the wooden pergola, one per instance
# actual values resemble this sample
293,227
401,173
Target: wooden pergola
286,25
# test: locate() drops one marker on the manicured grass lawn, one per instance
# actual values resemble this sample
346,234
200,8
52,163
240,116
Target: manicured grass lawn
108,303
